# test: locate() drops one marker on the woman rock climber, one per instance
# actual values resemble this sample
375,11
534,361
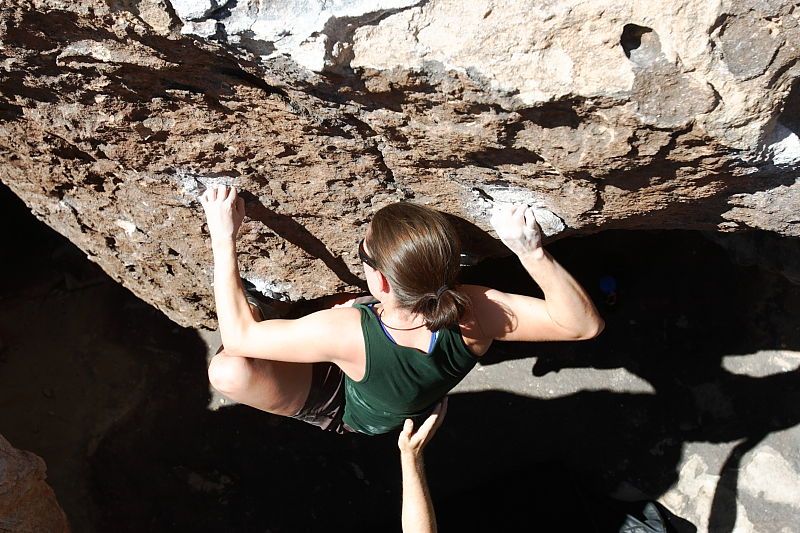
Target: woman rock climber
368,367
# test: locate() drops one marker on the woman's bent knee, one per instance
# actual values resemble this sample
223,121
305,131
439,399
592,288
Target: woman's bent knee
229,374
275,387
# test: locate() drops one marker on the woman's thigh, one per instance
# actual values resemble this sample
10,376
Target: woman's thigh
274,386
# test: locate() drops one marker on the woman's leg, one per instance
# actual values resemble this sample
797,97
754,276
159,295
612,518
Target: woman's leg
273,386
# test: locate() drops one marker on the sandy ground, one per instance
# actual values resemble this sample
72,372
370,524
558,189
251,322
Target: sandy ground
691,397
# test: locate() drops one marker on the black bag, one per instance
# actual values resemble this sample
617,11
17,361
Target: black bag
652,521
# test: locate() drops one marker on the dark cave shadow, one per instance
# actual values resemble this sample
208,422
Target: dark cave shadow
239,469
108,358
242,470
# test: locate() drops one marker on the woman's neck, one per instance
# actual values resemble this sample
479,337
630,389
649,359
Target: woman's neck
393,316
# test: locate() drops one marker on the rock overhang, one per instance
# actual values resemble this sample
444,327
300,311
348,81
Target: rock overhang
602,115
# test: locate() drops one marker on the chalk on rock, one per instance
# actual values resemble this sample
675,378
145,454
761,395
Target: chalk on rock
206,28
194,9
193,185
550,223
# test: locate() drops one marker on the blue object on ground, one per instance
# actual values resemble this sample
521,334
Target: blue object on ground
608,284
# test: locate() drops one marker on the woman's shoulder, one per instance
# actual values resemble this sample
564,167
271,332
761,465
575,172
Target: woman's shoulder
475,338
475,291
341,325
339,329
338,316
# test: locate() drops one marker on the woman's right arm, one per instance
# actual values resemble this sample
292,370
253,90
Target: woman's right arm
565,313
329,335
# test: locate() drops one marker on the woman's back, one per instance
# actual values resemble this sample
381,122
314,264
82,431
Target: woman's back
402,382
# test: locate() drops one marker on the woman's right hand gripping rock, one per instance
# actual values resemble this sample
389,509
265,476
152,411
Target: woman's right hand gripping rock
517,227
224,210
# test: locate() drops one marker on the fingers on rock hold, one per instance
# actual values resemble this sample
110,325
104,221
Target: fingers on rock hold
530,217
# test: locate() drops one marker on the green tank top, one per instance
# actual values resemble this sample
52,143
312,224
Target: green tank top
401,382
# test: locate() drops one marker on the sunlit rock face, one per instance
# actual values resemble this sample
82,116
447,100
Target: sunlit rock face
115,115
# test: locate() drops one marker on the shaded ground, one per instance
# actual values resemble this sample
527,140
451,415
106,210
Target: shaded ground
114,397
698,366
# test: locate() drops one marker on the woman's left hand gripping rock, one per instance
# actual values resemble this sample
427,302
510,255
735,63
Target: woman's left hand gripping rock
224,211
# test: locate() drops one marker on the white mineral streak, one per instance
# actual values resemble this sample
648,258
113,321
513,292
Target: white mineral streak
113,52
194,9
783,146
128,226
295,28
277,290
205,28
193,185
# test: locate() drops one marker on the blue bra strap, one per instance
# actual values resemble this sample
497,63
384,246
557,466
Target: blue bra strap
434,336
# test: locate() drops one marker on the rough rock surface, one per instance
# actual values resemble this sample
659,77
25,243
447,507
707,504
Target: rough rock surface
114,116
27,503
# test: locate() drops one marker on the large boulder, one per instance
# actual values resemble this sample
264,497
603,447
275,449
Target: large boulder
115,115
27,503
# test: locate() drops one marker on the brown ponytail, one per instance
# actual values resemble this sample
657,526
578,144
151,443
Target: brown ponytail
418,251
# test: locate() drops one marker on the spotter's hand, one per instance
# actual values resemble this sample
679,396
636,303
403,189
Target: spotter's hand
517,228
412,442
224,211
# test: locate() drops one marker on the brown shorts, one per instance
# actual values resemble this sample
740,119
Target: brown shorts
324,406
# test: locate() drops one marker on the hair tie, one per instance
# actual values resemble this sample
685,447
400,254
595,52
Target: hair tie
441,290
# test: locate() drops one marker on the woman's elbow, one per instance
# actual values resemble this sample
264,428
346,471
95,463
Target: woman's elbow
234,343
237,332
600,325
233,349
594,330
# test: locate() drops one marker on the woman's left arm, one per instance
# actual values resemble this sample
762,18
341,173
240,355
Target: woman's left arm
316,337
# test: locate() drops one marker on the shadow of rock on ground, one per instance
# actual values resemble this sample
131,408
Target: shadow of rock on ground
131,445
682,317
681,307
